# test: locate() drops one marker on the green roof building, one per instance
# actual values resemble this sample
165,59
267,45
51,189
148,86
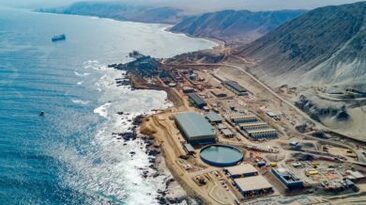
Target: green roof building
195,128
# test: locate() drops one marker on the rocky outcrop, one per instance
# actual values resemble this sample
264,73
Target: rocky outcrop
318,113
145,66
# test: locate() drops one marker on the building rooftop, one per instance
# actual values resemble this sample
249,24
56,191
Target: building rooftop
189,147
218,93
194,126
266,130
240,115
213,117
196,99
235,86
273,114
221,126
253,183
242,169
227,132
252,124
355,174
286,175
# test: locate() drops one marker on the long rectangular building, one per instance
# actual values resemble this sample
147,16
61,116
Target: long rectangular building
196,100
235,87
195,128
262,133
253,126
238,118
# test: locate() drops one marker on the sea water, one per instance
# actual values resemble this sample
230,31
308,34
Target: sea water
69,156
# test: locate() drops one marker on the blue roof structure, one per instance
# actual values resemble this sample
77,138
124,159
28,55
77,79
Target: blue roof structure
195,128
196,100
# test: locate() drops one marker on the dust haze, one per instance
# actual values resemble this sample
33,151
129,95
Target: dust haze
193,5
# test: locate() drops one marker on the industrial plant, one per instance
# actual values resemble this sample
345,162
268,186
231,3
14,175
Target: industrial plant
233,146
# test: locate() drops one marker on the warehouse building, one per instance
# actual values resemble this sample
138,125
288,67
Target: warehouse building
243,170
187,89
195,128
287,178
355,175
274,115
252,186
235,87
253,126
196,100
221,126
189,148
214,118
219,94
262,134
227,133
238,118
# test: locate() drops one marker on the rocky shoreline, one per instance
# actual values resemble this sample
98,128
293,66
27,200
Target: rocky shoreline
172,193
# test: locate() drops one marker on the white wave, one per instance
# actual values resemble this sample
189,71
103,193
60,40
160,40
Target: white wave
80,83
90,62
106,170
102,110
81,102
81,74
101,68
95,65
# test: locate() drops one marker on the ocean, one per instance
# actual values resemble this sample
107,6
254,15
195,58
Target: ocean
70,155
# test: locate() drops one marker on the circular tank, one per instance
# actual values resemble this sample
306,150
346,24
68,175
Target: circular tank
221,155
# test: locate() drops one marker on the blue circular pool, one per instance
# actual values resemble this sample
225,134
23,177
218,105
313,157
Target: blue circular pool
221,155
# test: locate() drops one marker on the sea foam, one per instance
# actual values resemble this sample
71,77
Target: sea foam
108,166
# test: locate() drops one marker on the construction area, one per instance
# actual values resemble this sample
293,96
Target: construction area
228,141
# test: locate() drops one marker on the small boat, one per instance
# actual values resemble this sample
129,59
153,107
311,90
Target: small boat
61,37
41,114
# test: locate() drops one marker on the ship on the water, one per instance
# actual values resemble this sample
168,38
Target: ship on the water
61,37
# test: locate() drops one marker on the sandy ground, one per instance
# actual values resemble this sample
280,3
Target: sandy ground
263,100
161,126
158,126
355,127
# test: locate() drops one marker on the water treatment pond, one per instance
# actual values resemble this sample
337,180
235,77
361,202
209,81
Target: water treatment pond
221,155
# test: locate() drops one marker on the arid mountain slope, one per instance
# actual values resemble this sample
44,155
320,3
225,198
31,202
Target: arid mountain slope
323,46
121,11
229,25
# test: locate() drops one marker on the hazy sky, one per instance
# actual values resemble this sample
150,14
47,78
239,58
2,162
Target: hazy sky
198,5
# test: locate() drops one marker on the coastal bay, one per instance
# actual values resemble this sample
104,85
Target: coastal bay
71,155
